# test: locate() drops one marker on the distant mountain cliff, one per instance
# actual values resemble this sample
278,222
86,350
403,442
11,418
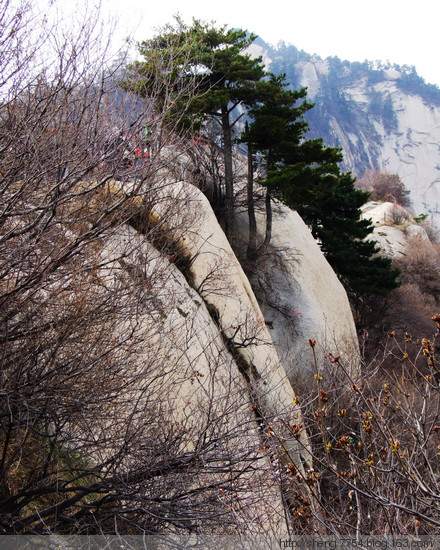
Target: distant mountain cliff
384,116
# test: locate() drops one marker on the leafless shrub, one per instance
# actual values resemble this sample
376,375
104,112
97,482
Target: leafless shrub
409,307
421,266
398,215
105,425
375,443
384,187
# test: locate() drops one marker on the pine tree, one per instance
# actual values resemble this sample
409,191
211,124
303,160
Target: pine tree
305,175
277,133
335,219
224,78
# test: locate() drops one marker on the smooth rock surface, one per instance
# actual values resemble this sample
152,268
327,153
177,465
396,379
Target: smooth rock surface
301,297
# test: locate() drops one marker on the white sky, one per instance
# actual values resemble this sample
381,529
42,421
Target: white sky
406,32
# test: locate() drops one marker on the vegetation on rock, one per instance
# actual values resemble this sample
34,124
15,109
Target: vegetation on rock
384,187
225,79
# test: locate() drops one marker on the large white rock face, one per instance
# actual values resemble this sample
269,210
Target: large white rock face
413,150
186,368
220,280
302,298
312,72
226,354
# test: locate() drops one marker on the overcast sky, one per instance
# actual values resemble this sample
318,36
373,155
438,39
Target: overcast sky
402,31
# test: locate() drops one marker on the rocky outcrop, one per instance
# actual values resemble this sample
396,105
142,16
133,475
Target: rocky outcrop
196,375
301,297
220,281
216,354
394,228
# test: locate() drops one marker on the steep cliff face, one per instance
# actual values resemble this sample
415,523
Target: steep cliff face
409,149
384,117
380,124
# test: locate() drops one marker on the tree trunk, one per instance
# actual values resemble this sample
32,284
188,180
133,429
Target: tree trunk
252,244
268,204
229,175
268,218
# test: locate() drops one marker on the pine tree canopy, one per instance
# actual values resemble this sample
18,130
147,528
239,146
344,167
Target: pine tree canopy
305,175
202,72
335,219
208,60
